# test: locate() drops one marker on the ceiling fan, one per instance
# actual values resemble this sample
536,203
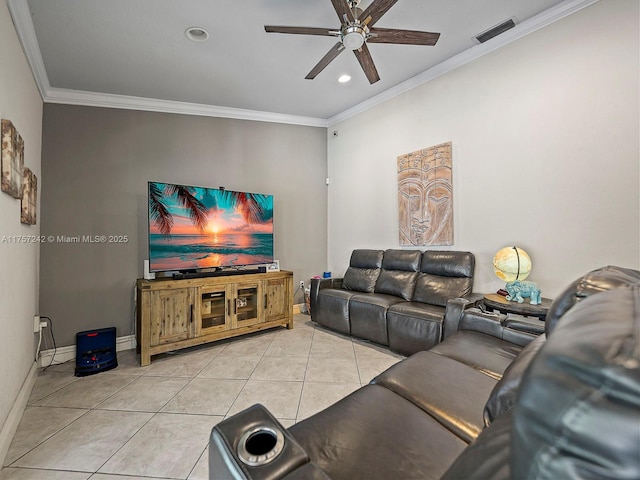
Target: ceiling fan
356,31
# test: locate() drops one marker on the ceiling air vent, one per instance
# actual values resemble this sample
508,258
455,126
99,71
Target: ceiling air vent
495,31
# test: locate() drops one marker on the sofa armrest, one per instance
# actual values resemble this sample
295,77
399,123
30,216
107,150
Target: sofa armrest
318,284
489,323
254,445
454,310
530,325
510,328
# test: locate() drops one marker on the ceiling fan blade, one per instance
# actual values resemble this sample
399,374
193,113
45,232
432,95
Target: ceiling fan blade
376,10
342,8
326,60
404,37
302,30
366,62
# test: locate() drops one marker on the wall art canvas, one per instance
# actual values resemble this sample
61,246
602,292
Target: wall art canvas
29,200
425,196
12,159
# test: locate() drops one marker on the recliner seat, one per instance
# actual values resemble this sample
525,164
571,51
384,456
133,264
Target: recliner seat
566,407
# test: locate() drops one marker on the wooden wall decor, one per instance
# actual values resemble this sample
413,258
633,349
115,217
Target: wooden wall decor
29,200
12,159
425,196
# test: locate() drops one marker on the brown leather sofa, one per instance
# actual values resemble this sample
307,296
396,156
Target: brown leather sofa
396,298
476,406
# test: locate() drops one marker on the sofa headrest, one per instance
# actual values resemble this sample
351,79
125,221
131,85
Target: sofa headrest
448,263
577,409
363,258
363,271
600,280
407,260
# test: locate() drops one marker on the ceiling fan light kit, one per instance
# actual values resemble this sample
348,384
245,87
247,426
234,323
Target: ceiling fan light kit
354,36
356,29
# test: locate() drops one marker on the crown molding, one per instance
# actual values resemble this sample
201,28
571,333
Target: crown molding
530,25
109,100
21,16
19,10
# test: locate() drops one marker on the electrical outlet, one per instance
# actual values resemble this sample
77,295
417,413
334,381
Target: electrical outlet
302,284
36,323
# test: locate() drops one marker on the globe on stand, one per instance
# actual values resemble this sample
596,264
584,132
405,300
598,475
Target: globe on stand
513,265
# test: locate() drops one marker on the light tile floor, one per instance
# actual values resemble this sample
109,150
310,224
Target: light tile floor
154,422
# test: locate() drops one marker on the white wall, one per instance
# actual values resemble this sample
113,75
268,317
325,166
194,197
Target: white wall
19,263
545,136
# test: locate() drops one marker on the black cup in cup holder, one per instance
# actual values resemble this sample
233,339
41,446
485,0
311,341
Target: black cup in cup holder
260,445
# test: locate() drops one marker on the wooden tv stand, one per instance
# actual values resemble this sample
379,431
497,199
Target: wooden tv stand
174,314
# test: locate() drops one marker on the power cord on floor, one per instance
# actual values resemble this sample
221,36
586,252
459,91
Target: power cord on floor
53,338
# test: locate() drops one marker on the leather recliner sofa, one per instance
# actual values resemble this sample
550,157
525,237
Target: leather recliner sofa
475,406
396,298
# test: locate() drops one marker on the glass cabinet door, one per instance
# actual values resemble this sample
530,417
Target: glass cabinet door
213,309
246,303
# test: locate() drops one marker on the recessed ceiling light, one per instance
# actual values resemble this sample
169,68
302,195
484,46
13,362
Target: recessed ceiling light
344,78
197,34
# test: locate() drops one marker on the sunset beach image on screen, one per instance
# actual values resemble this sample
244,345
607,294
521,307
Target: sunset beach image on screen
198,228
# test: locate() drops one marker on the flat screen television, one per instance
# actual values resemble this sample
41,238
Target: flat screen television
197,228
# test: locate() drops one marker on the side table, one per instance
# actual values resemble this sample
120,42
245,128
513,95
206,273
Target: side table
493,301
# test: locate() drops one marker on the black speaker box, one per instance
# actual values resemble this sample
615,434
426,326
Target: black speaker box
95,351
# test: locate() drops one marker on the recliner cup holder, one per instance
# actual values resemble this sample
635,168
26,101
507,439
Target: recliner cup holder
260,445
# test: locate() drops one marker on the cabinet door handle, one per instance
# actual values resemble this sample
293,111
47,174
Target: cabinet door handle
229,307
235,306
265,301
191,314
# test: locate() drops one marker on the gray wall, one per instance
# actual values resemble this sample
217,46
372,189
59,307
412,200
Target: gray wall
95,166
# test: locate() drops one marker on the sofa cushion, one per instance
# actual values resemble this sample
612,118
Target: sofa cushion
413,326
368,316
504,395
440,386
581,393
436,290
407,260
444,275
376,433
363,271
488,354
448,263
332,309
487,457
397,283
399,273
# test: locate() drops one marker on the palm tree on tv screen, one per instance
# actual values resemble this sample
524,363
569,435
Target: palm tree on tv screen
160,213
249,204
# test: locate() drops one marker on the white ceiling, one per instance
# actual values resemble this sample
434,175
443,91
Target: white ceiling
134,53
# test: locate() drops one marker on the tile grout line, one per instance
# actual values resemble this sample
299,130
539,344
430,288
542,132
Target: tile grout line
306,369
49,437
246,381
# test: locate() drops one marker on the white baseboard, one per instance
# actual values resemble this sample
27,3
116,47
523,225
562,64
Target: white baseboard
64,354
15,413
